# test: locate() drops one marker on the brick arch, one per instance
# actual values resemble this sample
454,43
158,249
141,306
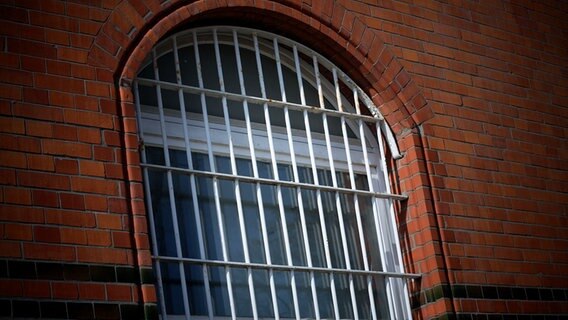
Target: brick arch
132,30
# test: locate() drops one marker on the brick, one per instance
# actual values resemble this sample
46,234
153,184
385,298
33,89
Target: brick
96,202
87,118
70,218
63,290
64,84
102,255
61,99
43,180
72,201
89,135
10,249
45,198
13,159
94,185
54,21
91,168
66,166
47,234
48,252
99,238
15,195
39,112
36,289
91,291
73,55
119,292
40,162
15,77
63,148
17,231
33,95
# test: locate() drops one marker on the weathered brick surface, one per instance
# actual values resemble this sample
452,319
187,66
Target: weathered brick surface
476,92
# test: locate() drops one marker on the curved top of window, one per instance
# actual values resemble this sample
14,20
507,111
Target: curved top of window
323,88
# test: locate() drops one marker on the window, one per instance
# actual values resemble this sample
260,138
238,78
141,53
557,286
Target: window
266,184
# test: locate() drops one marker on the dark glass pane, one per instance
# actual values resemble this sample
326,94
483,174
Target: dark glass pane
167,67
262,293
325,302
196,289
219,291
343,296
284,294
241,292
171,283
187,66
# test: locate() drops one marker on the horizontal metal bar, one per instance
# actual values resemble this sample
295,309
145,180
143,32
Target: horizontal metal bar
287,267
258,100
274,182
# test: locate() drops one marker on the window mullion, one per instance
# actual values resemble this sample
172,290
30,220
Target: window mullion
255,173
403,292
171,190
337,197
312,160
148,195
193,187
322,218
254,168
215,180
295,172
234,172
358,210
376,218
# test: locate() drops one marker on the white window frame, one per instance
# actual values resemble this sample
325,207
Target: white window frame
193,132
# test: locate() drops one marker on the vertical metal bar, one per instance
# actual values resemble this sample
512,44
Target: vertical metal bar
234,172
318,194
255,172
392,217
312,159
363,138
215,180
377,220
160,287
171,188
334,182
295,172
196,214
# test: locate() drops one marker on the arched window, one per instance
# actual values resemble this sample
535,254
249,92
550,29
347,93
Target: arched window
266,182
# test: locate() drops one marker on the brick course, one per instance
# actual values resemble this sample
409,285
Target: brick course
476,93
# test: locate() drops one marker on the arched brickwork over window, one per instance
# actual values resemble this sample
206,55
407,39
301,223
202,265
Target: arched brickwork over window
132,30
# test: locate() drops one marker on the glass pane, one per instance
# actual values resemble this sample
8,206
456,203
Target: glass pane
343,296
325,302
171,283
252,222
162,213
370,231
262,293
305,301
283,286
186,217
380,296
362,295
241,292
219,291
196,289
209,219
273,225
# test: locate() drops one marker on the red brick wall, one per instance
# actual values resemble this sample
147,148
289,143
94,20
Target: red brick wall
476,92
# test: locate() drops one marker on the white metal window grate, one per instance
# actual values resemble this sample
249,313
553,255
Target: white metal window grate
266,183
